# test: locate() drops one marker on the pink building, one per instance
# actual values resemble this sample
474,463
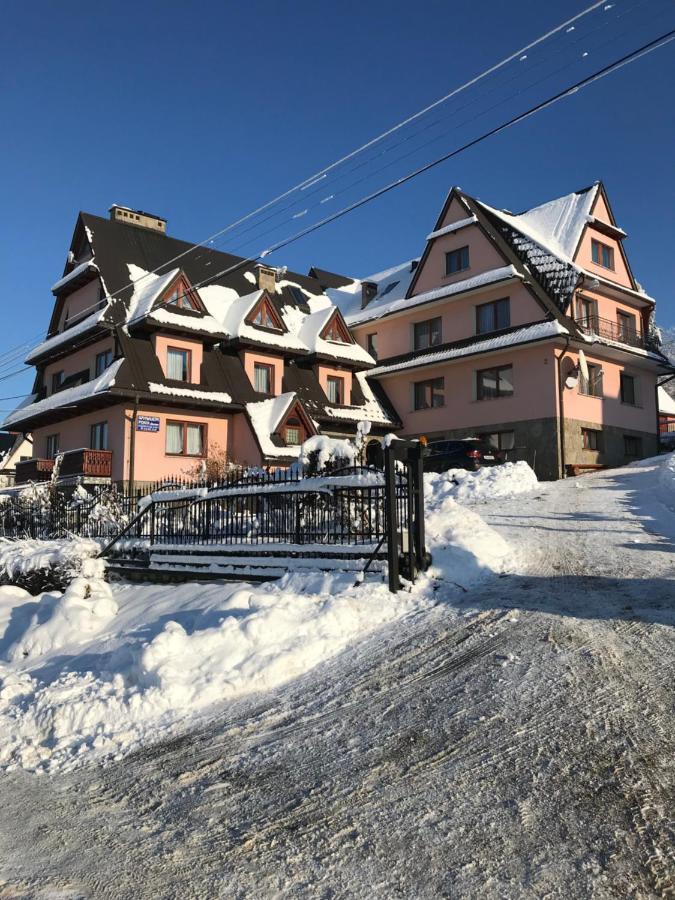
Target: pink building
159,355
529,329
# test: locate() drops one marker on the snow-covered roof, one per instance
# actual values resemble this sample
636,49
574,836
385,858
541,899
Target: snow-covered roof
217,396
310,335
27,410
392,284
376,310
557,224
266,416
452,227
537,332
64,337
147,288
666,402
87,265
369,411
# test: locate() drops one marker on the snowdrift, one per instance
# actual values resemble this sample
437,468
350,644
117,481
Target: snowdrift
97,671
507,480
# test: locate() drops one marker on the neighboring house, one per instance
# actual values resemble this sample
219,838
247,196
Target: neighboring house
529,329
142,375
666,415
13,449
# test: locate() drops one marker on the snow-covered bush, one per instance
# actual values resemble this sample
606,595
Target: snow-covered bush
37,565
320,454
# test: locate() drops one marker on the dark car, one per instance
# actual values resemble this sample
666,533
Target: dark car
471,454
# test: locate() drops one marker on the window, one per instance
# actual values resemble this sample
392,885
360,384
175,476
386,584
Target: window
185,439
263,378
178,364
602,255
335,389
591,439
628,389
493,316
429,394
98,439
371,344
103,360
493,383
500,440
456,260
57,378
627,327
632,446
427,334
389,287
588,313
180,298
591,386
52,446
263,317
333,332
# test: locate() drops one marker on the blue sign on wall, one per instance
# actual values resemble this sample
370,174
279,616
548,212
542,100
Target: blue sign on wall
147,423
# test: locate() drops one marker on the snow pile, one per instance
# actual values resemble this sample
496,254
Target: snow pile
21,558
667,481
507,480
84,610
321,451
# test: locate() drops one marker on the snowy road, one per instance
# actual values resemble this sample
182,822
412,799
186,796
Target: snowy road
522,752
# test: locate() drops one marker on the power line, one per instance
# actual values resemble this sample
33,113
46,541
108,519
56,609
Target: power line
628,58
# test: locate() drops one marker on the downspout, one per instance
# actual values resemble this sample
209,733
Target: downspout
132,447
561,409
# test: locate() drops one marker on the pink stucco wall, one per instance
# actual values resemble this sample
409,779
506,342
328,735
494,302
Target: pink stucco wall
244,447
482,254
608,409
533,398
250,358
74,434
151,460
77,361
162,342
395,334
324,371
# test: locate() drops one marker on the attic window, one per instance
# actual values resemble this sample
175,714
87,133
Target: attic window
265,316
336,331
180,298
389,287
298,295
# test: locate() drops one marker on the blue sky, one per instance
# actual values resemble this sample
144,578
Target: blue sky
202,111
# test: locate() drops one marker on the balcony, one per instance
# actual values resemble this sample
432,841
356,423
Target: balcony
612,331
74,464
34,470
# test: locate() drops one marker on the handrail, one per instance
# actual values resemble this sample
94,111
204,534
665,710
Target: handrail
126,528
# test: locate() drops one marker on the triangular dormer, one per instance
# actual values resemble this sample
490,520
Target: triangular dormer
336,330
600,244
180,295
265,315
295,426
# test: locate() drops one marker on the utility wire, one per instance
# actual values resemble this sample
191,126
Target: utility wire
627,59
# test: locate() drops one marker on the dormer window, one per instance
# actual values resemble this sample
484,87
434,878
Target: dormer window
263,317
180,298
335,389
336,331
178,364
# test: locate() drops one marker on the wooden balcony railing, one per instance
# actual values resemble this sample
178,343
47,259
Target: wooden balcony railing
612,331
95,463
34,470
91,463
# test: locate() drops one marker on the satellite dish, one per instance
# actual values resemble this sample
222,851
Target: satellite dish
583,365
572,379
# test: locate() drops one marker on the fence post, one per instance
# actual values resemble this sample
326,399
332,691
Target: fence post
152,522
391,525
417,489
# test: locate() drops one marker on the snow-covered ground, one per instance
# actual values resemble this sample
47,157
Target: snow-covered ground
98,672
514,739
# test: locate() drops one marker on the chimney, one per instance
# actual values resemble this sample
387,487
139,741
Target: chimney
267,279
137,217
414,264
368,291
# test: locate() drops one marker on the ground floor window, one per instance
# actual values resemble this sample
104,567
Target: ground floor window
591,439
52,446
500,440
429,394
99,436
491,383
632,446
185,439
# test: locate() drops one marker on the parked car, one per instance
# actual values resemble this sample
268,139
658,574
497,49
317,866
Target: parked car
471,454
